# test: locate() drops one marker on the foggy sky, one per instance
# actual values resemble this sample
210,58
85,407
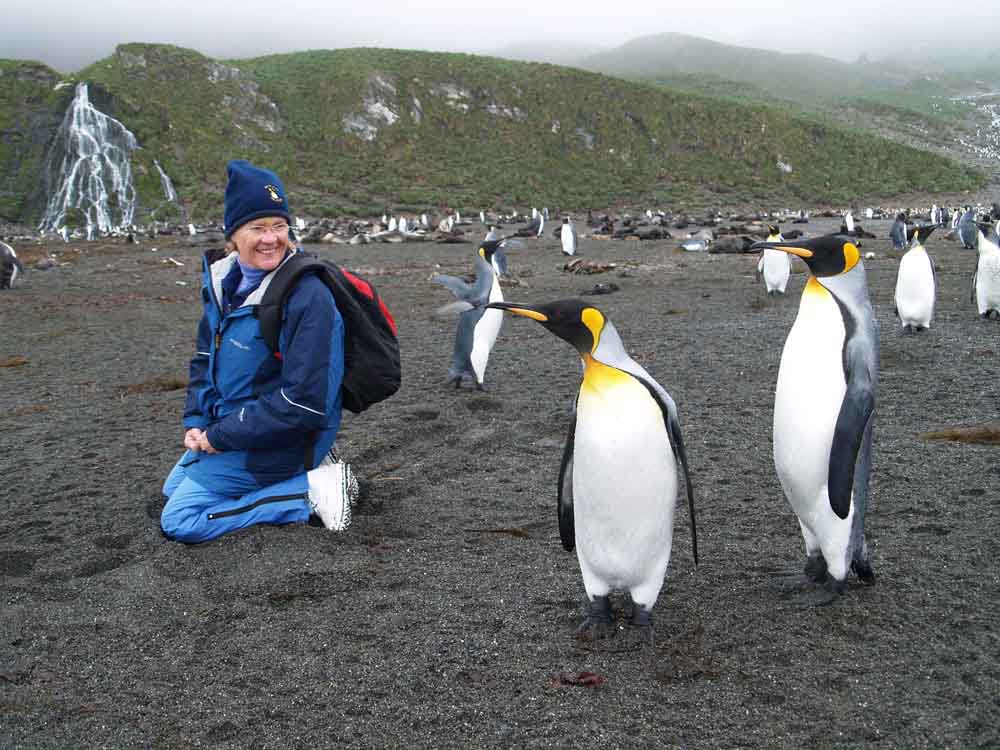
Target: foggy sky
67,36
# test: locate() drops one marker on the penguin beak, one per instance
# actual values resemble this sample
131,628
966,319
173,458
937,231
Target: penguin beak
785,247
525,311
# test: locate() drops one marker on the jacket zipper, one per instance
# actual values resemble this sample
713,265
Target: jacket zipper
251,506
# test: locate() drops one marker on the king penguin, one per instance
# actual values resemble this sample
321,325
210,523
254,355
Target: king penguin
478,326
10,266
916,283
618,479
986,282
567,237
774,265
823,411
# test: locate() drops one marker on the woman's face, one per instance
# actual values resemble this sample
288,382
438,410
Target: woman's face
263,242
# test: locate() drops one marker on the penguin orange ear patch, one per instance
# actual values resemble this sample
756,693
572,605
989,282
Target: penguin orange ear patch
851,256
594,320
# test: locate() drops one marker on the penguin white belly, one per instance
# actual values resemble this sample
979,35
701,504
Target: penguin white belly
485,334
988,281
568,241
915,288
624,488
776,268
810,390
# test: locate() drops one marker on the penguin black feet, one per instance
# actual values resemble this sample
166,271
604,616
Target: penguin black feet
642,623
600,621
815,568
863,569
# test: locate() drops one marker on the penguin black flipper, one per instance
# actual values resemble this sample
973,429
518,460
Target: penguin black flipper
852,423
567,526
673,424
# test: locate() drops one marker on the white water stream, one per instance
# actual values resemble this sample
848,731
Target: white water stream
94,172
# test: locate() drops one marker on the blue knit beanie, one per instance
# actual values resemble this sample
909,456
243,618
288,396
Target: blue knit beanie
251,193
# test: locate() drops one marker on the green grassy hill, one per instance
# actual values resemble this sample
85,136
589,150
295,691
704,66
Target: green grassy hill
30,110
361,130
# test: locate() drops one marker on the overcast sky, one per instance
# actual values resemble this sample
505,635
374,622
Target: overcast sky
69,35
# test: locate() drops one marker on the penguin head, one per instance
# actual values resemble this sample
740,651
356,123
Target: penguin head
829,255
487,248
773,233
572,320
918,235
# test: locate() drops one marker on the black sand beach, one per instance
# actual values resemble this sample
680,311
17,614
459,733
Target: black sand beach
444,616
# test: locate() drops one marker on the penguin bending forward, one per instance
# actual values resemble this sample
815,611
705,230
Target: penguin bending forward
986,282
10,266
824,411
618,479
478,327
774,266
916,282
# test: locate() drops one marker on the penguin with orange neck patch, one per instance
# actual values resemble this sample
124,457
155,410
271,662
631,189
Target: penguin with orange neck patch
625,425
824,411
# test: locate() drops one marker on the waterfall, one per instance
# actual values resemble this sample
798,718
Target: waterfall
90,169
168,186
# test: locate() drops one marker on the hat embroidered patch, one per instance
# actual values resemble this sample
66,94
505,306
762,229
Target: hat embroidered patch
272,191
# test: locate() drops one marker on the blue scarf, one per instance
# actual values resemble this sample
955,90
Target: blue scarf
251,279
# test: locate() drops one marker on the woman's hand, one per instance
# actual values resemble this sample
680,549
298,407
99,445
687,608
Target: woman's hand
192,439
204,445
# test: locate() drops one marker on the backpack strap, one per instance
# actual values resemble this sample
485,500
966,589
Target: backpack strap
269,309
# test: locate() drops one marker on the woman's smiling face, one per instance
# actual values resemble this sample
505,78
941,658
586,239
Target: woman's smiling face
262,242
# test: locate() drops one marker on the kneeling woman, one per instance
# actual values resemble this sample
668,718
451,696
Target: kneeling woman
257,424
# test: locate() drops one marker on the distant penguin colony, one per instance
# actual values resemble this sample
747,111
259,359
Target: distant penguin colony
824,410
617,485
915,283
10,266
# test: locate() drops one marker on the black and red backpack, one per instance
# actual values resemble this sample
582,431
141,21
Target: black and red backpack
371,349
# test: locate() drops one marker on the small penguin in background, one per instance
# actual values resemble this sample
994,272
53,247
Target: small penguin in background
916,283
567,236
478,326
898,232
824,411
774,265
617,485
10,266
986,282
849,222
967,229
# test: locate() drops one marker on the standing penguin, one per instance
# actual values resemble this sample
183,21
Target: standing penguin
774,265
567,236
477,326
823,410
898,232
618,479
10,266
916,283
986,282
967,229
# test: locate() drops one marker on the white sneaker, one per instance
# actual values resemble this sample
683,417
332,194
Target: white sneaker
333,492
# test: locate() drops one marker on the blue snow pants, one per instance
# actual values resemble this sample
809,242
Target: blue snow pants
232,499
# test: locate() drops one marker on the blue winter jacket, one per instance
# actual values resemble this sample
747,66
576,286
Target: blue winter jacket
282,412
